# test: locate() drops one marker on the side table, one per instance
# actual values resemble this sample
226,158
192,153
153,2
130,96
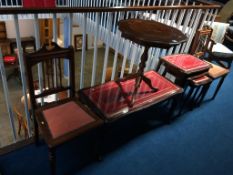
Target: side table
148,34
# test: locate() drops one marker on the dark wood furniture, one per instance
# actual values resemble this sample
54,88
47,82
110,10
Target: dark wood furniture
3,33
4,42
183,67
110,102
188,71
5,46
46,30
22,123
115,99
213,52
61,120
25,42
148,34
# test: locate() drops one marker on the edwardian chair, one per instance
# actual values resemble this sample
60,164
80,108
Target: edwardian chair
61,120
216,54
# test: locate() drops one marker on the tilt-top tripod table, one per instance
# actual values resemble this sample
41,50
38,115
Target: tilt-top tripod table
148,33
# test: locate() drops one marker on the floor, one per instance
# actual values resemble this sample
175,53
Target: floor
15,92
199,142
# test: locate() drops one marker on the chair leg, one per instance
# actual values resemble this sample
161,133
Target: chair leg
97,144
158,66
194,98
52,160
20,126
203,94
186,99
36,132
174,104
218,87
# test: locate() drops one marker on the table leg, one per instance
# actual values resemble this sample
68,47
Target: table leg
141,77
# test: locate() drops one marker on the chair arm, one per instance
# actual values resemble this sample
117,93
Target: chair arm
228,38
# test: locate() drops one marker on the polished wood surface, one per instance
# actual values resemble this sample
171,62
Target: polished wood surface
64,119
151,33
5,46
111,100
184,66
148,33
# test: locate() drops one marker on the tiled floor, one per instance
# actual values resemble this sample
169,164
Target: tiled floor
15,92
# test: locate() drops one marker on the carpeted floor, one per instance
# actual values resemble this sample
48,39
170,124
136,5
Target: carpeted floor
200,142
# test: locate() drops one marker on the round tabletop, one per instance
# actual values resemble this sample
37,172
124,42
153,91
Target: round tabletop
151,33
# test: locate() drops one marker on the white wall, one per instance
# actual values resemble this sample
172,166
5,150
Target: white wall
26,28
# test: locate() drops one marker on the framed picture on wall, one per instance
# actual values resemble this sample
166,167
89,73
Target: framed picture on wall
78,42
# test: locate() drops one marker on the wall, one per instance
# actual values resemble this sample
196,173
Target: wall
26,28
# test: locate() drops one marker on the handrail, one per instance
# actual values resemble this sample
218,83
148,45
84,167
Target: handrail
17,10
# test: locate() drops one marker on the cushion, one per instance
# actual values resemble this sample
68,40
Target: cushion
220,48
217,71
66,118
185,62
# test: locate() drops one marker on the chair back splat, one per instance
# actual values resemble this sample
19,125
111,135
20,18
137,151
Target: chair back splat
51,59
202,42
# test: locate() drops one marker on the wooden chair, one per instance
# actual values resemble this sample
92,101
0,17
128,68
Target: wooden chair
62,120
216,54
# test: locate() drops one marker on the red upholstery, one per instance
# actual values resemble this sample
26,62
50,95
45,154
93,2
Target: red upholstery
109,100
201,80
9,59
66,118
38,3
186,62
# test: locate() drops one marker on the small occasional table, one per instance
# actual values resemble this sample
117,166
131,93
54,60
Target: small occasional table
184,66
148,34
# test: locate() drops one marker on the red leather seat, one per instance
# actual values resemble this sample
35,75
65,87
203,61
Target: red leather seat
10,59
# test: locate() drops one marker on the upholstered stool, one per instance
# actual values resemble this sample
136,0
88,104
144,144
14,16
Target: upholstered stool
183,66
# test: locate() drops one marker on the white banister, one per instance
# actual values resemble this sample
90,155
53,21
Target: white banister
22,71
83,51
107,45
7,98
96,39
37,42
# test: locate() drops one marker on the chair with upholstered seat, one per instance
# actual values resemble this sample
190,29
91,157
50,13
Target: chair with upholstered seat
217,55
62,120
213,52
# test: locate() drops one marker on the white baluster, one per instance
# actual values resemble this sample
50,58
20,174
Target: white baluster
22,71
107,49
7,97
93,77
118,35
83,52
126,53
